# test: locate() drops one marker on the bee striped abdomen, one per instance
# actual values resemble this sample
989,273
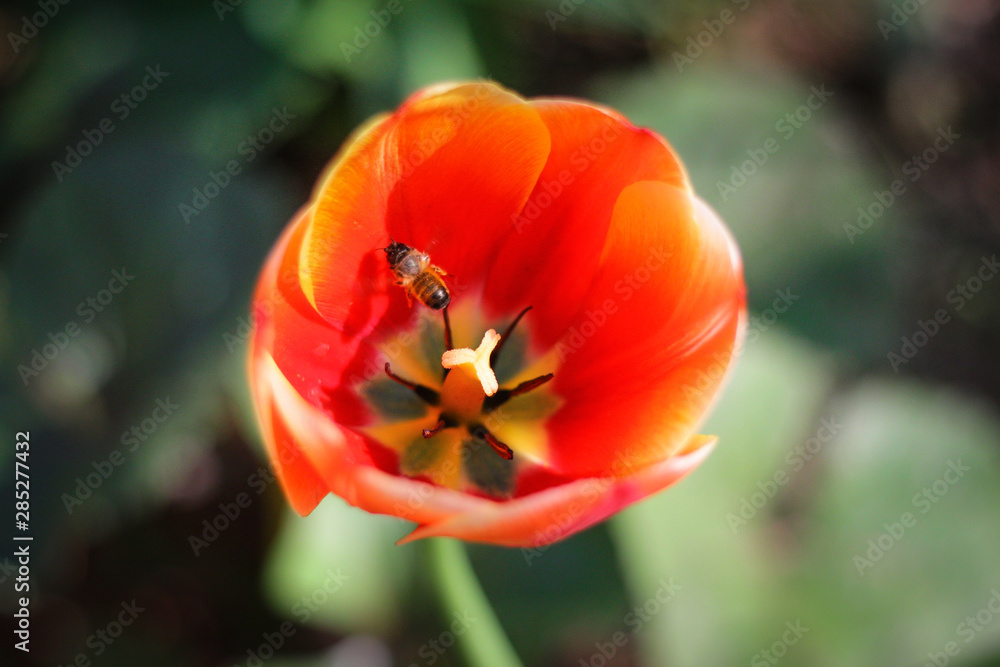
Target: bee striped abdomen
430,290
415,273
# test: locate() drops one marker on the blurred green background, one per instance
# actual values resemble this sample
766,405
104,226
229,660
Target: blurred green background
851,513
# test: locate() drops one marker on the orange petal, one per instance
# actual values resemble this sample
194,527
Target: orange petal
329,451
555,245
289,333
444,174
297,477
648,351
337,258
318,356
558,512
449,173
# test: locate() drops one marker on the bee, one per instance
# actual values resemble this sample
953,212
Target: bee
415,273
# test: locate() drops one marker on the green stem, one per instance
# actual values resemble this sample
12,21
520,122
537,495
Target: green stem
484,643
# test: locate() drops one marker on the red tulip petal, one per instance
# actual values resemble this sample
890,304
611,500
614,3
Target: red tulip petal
317,356
330,453
558,512
301,483
449,173
297,477
444,174
457,205
551,256
292,335
341,273
639,377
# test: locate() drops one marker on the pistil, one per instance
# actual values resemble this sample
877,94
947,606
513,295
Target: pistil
457,413
471,379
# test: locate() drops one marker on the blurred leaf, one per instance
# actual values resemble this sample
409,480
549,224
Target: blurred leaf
792,199
437,47
728,581
794,558
46,105
898,450
578,582
337,538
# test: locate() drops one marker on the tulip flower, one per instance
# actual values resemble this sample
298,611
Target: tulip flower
595,308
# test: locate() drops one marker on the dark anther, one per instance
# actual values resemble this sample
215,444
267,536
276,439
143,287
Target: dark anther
491,403
528,385
428,432
426,394
504,336
499,447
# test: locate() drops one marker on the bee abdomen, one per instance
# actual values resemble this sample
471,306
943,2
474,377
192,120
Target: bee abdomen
431,291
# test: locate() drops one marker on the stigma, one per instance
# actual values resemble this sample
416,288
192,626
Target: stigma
464,413
478,359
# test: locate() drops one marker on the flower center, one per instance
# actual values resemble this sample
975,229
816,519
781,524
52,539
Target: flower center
455,431
471,378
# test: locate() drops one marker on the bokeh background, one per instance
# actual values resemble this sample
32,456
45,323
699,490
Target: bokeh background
791,116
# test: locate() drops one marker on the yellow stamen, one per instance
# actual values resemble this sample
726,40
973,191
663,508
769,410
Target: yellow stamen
470,381
480,360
